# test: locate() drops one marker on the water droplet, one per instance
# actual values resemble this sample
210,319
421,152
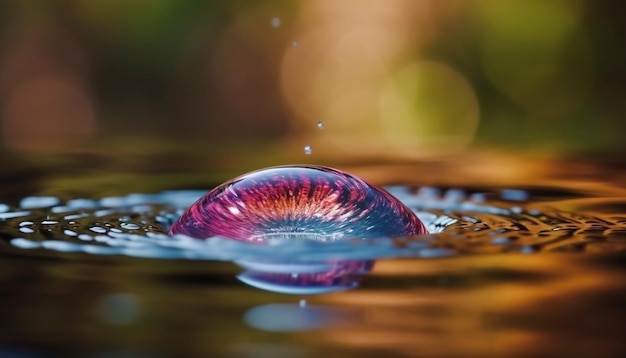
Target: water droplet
302,303
308,150
98,229
275,22
130,226
294,43
320,125
305,202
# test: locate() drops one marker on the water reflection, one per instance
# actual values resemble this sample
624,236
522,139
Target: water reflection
82,266
304,278
295,318
119,309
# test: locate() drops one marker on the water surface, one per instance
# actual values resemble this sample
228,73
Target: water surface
517,269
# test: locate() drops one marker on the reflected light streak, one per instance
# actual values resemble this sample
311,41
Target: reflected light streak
476,312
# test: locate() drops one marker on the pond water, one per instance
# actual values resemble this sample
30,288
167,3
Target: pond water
515,268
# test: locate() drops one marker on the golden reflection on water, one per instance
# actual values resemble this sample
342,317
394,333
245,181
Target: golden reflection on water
483,305
489,306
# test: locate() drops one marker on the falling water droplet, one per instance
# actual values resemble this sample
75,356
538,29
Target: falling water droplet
320,125
308,150
275,22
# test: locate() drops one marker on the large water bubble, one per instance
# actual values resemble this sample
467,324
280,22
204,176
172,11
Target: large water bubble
311,202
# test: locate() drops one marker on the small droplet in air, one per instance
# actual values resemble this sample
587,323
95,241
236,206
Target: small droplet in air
275,22
294,43
320,125
308,150
302,303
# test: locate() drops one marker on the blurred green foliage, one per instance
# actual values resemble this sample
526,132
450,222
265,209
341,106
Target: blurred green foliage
548,74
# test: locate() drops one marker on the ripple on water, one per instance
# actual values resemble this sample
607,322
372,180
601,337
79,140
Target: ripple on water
460,222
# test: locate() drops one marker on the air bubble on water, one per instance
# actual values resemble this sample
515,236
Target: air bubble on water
162,219
436,252
61,246
102,238
4,208
75,216
81,203
454,195
33,202
478,197
130,226
103,213
143,209
427,192
112,201
500,241
61,209
27,230
70,233
13,214
514,195
85,237
26,223
98,229
308,150
275,22
320,125
24,244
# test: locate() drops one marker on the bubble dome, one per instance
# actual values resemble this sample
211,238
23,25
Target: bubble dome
297,202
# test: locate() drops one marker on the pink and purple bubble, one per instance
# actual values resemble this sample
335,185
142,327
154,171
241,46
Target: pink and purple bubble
311,202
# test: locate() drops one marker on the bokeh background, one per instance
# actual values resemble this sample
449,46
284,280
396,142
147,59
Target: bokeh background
100,98
236,81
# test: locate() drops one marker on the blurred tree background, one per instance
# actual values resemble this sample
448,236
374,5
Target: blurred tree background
398,77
